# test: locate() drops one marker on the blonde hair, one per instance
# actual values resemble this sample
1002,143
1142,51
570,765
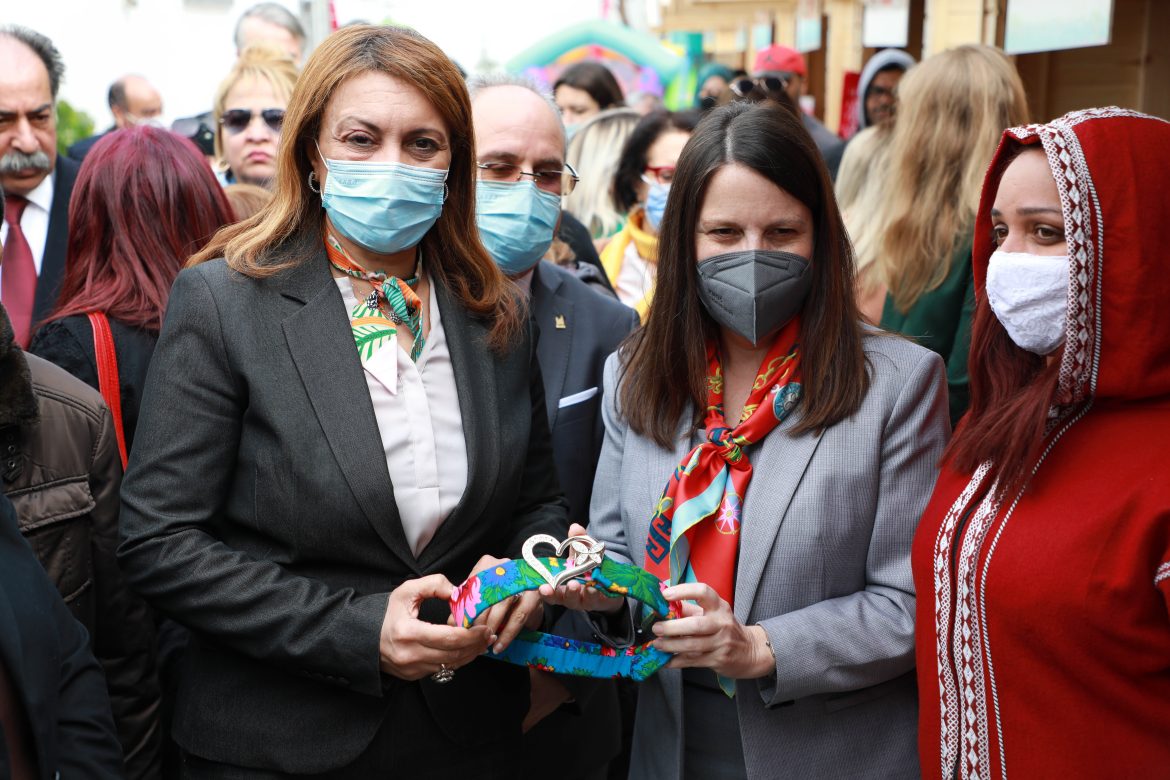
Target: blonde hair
861,189
258,61
594,152
289,230
952,110
247,199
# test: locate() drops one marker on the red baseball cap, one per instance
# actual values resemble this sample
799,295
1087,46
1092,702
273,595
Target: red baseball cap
779,59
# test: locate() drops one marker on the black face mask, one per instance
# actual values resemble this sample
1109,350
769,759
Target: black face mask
754,293
706,103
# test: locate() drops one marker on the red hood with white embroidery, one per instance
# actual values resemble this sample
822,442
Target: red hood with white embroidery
1112,170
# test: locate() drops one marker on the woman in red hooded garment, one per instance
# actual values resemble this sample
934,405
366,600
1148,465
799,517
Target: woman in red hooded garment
1042,563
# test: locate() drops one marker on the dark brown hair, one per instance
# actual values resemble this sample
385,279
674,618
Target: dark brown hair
632,162
664,364
596,79
289,230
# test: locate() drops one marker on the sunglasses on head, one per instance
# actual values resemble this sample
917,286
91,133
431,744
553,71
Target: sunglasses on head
769,84
237,119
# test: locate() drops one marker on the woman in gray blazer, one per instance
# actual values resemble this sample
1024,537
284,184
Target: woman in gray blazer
343,417
797,448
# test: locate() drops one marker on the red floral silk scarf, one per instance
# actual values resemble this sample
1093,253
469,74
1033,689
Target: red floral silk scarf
694,534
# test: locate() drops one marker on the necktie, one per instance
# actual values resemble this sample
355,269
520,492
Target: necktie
18,278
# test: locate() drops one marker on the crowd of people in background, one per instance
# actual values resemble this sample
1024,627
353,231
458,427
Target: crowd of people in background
886,416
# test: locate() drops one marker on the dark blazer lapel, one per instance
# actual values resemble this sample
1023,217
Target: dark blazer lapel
777,468
56,239
321,344
550,307
11,653
475,377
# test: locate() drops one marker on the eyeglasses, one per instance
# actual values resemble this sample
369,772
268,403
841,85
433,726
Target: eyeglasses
744,87
556,182
237,120
663,174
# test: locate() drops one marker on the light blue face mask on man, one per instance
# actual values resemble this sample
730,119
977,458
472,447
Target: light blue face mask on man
516,222
384,207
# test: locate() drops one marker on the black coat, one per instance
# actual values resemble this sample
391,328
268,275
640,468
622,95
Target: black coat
258,510
579,328
59,684
68,343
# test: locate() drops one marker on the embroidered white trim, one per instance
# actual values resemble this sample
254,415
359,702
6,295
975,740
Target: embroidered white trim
1163,573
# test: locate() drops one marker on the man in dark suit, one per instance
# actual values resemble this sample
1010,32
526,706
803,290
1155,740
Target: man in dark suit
37,181
54,711
133,101
519,135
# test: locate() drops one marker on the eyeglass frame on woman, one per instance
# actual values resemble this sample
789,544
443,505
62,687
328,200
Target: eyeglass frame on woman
269,115
743,87
657,172
566,178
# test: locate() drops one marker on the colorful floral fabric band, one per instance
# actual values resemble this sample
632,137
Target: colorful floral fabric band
587,564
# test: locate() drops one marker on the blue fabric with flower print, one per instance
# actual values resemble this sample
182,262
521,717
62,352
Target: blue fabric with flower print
587,564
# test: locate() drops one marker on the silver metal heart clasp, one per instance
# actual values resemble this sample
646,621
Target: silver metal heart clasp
585,554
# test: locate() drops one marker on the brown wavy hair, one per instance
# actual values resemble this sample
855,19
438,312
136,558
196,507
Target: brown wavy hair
289,230
664,363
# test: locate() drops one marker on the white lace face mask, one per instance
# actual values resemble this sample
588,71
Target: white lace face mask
1029,295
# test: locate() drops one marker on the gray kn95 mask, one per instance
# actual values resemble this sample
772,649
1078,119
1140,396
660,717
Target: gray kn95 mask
754,292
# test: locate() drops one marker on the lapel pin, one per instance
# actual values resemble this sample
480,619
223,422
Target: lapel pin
560,322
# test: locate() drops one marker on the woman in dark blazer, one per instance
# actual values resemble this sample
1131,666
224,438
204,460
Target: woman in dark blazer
344,417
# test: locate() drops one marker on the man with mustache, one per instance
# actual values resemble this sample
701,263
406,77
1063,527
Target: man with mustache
35,180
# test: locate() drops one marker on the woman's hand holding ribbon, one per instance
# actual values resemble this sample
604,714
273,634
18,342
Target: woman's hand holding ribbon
411,648
512,615
576,595
708,636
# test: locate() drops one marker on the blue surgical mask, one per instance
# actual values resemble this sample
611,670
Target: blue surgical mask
656,203
516,222
383,207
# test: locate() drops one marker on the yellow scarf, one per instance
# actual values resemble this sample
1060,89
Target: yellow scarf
614,254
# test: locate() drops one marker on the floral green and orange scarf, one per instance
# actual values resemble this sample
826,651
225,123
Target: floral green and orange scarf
372,326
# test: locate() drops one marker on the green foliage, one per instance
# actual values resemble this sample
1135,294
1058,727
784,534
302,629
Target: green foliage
72,125
636,583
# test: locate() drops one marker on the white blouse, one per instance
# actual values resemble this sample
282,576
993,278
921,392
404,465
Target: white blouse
417,409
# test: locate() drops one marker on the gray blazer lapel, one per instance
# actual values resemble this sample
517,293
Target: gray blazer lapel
555,343
777,468
659,466
475,377
321,344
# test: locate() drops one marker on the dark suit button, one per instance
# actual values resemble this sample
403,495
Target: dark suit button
11,449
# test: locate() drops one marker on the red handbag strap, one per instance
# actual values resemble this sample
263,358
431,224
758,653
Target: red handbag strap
107,369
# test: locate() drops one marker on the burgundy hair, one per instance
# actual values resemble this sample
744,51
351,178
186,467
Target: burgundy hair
144,201
1011,392
1011,389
